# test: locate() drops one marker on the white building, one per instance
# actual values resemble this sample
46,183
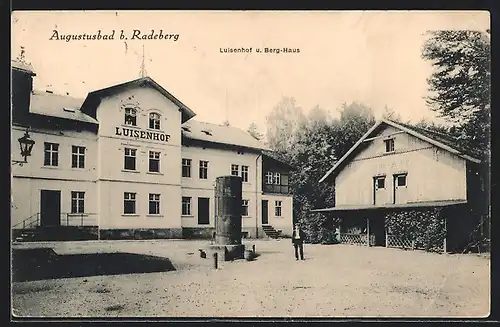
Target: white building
130,160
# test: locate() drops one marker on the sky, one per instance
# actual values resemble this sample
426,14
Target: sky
371,57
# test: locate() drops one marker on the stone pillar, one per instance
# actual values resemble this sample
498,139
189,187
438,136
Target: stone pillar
228,209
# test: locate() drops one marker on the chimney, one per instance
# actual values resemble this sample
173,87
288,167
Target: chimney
22,88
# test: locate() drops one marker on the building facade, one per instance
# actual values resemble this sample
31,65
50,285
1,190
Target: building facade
130,161
397,170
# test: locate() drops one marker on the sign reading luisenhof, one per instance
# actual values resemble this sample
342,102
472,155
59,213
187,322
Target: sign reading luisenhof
138,134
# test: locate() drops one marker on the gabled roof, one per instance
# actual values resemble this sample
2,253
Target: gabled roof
56,105
446,139
25,67
221,134
444,142
272,155
94,97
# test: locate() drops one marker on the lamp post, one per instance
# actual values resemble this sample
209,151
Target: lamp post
26,145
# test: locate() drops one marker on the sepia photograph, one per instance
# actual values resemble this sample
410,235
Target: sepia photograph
250,164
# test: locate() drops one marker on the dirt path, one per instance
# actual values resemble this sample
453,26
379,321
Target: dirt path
337,280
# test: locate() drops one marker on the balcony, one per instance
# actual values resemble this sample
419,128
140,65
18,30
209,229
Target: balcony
281,189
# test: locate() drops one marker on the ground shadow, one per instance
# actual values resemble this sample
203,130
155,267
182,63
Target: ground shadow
44,263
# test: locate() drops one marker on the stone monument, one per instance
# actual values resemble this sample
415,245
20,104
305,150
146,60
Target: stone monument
228,210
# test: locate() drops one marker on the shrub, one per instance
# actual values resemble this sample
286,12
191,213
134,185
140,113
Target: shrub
424,227
318,228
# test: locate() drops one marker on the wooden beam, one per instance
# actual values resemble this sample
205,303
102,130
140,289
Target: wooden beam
368,231
445,235
383,136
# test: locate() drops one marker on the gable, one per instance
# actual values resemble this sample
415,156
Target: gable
384,129
94,98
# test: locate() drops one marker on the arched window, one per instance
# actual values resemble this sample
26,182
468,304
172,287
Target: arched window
154,120
130,116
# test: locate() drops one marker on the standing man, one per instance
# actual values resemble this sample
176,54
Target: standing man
298,237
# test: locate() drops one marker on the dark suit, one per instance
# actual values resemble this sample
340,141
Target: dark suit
298,244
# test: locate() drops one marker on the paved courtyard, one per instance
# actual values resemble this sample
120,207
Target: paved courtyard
333,281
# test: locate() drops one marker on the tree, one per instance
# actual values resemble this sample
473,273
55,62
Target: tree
390,114
282,123
254,131
312,144
460,83
460,92
355,120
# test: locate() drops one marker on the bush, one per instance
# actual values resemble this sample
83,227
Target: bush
318,228
424,227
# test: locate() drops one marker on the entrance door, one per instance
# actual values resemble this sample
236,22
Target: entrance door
203,211
50,208
377,228
400,189
379,193
265,212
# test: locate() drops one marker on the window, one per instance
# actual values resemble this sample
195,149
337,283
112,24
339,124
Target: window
77,202
379,182
235,171
154,204
203,169
186,167
51,154
154,120
130,155
130,116
244,207
244,173
186,206
78,157
389,145
401,180
277,208
269,178
277,179
154,161
129,203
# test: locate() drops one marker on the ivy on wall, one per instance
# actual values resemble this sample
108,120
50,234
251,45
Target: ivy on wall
426,228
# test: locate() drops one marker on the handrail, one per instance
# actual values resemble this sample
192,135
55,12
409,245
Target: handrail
81,218
65,219
23,222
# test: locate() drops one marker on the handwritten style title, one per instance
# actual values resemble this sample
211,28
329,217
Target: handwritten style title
113,35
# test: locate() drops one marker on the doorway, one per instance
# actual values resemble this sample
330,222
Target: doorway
400,189
379,194
50,208
265,212
203,211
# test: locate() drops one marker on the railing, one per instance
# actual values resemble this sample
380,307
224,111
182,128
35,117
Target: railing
31,221
78,219
282,189
65,219
394,241
359,239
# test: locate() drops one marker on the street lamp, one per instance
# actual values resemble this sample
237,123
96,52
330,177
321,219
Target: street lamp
26,144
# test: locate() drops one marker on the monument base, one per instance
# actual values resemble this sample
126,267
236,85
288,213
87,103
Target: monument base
227,252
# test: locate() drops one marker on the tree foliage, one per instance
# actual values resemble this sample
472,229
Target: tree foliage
254,131
312,144
282,124
426,228
460,83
